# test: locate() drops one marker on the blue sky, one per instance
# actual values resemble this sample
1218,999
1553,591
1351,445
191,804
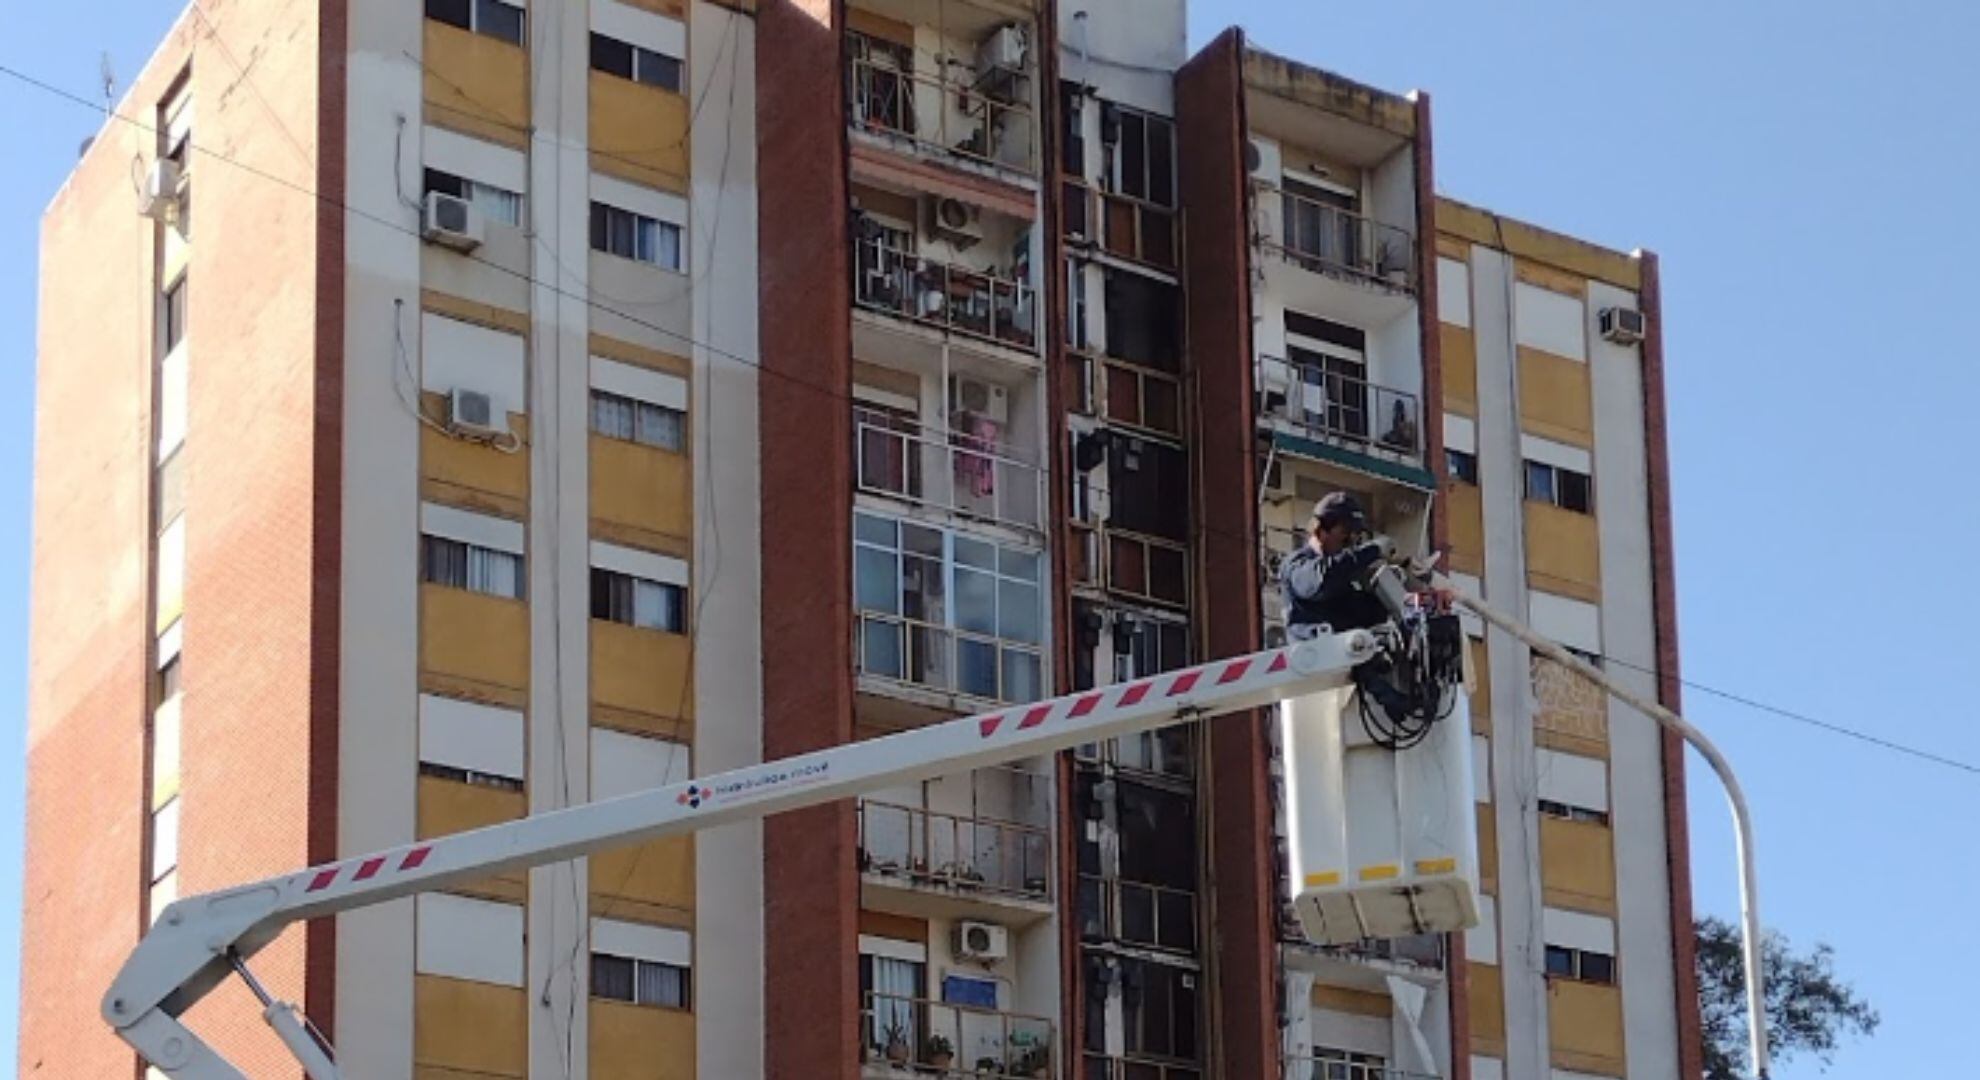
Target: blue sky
1806,170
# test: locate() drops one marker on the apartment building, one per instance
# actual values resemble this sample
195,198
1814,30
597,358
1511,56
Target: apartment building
581,397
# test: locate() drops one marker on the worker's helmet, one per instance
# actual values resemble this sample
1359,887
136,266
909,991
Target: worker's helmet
1339,508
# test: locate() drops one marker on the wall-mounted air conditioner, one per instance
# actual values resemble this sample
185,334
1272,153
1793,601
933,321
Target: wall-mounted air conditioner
982,400
471,412
981,941
953,220
450,222
1624,326
1003,49
160,198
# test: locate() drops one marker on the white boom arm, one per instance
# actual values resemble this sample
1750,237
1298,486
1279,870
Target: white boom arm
199,940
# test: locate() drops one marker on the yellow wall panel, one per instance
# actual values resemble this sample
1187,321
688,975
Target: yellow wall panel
1578,865
1487,992
476,84
1357,1002
641,487
1460,358
1563,552
643,671
1464,507
654,881
626,352
1555,398
475,1028
449,806
641,1042
1488,848
470,474
1459,221
1585,1026
473,636
639,132
1481,688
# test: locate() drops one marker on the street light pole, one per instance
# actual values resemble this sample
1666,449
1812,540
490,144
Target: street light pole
1749,896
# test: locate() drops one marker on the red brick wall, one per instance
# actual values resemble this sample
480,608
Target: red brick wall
811,896
253,565
1211,123
1670,691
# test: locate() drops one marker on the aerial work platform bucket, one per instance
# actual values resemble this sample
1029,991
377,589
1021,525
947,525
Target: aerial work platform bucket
1383,842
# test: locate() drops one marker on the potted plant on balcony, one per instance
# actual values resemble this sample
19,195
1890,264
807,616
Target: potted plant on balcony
938,1052
896,1043
1034,1062
988,1066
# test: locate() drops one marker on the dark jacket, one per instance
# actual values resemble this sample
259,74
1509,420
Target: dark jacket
1327,589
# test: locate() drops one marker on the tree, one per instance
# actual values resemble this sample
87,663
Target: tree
1808,1007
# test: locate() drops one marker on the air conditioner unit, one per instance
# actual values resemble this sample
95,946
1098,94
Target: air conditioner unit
1622,325
985,401
451,222
471,412
160,199
1261,160
953,220
981,941
1004,49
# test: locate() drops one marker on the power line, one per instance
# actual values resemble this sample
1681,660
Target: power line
1803,718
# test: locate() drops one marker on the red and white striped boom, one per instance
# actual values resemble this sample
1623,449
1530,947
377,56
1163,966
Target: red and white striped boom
200,940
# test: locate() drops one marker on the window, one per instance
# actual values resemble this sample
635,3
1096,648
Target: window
1142,149
1144,321
637,601
639,982
495,203
1072,117
491,17
1462,465
173,310
168,679
1560,487
947,610
1565,812
635,236
1158,1009
1148,487
171,489
1580,964
892,989
618,417
471,777
1075,304
629,61
462,565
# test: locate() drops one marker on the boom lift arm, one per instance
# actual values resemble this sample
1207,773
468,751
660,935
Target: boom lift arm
198,941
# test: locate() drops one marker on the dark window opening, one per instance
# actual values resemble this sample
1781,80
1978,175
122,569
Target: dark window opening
1148,485
177,296
635,601
1144,321
1462,465
640,982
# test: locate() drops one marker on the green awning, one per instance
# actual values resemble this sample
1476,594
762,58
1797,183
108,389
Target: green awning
1414,476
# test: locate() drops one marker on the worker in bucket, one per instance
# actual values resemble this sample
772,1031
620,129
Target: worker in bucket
1324,589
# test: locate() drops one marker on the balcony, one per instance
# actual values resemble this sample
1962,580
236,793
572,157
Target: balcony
950,471
984,125
1326,1065
1333,240
915,1037
954,865
960,299
1123,226
1136,1067
1317,400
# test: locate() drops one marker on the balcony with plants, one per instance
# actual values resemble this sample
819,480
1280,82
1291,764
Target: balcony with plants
909,1036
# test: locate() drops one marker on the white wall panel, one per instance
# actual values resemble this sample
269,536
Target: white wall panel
1579,930
658,944
638,383
643,564
481,530
476,159
456,354
646,29
1574,623
1551,321
1453,292
460,937
469,735
1574,780
623,764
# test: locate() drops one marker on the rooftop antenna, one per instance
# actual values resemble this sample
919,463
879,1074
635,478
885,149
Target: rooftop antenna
108,77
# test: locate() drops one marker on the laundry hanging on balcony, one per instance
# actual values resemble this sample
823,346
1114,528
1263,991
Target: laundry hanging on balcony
974,465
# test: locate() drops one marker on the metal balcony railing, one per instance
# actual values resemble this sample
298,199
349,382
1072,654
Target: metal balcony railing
968,854
1339,407
944,658
953,471
1423,950
944,1039
1323,237
1324,1065
972,302
1135,1067
1135,913
988,122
